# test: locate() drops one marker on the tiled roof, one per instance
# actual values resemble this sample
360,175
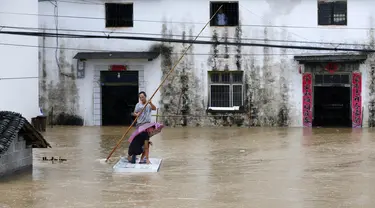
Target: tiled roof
13,124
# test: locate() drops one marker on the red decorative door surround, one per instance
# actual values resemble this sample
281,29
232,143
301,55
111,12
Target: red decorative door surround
307,99
356,100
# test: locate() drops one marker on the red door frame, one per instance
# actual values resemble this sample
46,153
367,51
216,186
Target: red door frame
307,99
356,99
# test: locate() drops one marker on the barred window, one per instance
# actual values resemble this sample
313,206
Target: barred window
332,12
331,79
227,15
118,15
226,89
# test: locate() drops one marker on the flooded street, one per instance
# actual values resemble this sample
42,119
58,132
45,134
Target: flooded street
203,167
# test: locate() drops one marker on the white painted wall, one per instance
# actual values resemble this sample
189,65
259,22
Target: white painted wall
19,65
89,87
293,20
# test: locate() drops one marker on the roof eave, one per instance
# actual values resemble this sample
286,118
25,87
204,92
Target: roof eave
331,58
117,55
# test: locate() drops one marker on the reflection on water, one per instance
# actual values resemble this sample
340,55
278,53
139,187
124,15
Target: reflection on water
203,167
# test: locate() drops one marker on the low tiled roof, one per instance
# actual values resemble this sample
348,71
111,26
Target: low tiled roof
13,124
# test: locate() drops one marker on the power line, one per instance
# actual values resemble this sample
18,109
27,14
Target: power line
170,40
208,37
194,54
195,23
11,78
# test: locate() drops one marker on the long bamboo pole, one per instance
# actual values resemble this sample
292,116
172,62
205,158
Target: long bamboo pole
166,77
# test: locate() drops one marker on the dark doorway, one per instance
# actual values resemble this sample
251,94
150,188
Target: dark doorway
119,96
332,106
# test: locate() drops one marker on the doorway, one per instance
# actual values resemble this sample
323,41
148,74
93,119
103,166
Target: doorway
119,93
332,106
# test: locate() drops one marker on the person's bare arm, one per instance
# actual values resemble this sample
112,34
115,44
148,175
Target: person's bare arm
153,107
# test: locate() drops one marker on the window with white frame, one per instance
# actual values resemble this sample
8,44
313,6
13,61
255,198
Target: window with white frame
332,12
225,88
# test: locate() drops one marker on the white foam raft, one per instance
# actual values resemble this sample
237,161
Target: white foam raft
123,166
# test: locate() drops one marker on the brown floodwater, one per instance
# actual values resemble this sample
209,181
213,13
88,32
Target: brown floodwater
203,167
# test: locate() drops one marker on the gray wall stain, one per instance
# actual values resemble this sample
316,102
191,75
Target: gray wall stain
238,36
283,112
180,97
212,60
371,77
43,102
62,96
167,92
268,98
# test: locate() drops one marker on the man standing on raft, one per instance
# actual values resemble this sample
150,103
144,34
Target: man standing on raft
145,117
141,143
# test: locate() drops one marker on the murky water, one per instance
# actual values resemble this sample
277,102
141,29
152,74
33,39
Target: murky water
204,167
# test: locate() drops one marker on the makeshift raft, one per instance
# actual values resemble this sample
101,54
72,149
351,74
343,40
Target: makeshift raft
123,166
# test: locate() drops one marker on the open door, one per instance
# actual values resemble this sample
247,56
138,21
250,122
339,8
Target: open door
119,97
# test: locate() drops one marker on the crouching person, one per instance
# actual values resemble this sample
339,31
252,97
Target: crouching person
140,146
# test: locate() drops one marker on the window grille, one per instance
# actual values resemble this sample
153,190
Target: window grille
226,89
332,12
227,16
118,15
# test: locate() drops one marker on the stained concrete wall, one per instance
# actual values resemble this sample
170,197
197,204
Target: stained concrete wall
19,72
270,72
18,157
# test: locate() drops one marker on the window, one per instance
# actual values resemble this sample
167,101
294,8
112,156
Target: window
226,89
331,79
332,12
118,15
227,16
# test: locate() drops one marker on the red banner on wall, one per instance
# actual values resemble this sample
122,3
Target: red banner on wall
307,99
118,68
356,100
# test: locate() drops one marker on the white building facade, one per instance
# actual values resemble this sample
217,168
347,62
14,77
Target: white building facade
278,63
18,64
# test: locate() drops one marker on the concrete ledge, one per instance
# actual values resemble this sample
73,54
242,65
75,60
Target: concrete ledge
24,169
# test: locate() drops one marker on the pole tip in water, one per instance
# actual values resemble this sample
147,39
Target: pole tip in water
103,161
106,161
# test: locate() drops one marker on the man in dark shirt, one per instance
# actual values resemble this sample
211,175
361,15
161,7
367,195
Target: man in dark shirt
140,145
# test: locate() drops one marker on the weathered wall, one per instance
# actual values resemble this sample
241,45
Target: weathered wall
19,65
17,157
273,92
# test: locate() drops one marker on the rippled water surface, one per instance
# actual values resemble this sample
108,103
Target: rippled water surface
203,167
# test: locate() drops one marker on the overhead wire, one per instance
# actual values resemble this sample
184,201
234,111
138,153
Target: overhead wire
178,35
194,54
171,40
12,78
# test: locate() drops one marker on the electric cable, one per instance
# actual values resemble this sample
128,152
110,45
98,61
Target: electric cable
171,40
